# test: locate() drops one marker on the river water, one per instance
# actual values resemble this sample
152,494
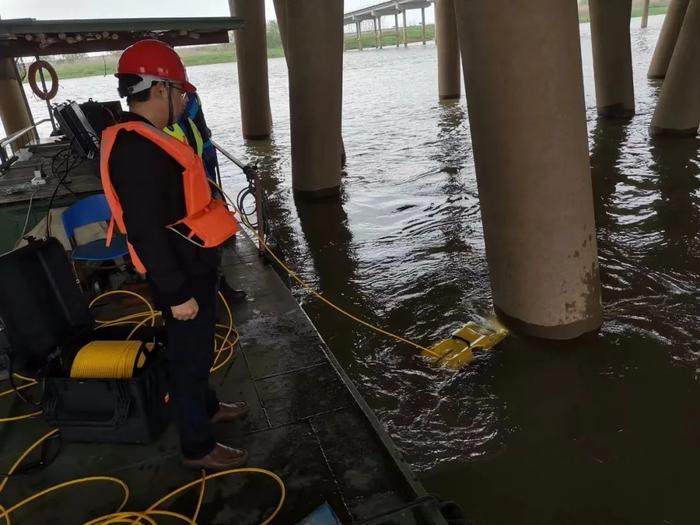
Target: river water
602,430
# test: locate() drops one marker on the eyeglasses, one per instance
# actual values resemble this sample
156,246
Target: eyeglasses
182,91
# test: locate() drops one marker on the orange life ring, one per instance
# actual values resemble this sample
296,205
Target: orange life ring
31,76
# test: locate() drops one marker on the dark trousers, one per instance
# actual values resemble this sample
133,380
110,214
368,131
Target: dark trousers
190,356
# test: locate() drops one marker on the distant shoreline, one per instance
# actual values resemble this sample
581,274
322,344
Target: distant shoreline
225,53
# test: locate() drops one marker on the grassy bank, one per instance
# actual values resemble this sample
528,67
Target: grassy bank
107,64
636,12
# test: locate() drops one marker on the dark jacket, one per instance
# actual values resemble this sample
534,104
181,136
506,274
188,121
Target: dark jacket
148,183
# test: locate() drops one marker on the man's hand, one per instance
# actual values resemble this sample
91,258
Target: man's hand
186,311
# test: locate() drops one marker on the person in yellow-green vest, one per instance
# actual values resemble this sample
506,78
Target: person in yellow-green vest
192,129
192,136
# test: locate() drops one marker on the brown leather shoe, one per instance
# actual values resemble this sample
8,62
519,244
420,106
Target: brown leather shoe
220,458
230,411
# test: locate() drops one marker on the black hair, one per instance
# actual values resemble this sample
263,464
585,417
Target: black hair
126,81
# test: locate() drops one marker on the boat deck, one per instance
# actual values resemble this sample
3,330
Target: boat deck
21,202
307,423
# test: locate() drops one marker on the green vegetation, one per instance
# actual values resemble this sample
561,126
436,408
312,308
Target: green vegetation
656,7
83,66
636,12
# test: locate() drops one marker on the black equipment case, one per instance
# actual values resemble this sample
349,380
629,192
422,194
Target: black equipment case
47,320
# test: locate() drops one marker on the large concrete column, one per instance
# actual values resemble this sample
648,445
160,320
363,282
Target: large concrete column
447,42
315,93
678,108
14,110
612,57
251,59
524,81
667,38
381,33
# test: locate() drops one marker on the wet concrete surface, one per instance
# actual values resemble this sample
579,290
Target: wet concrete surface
305,425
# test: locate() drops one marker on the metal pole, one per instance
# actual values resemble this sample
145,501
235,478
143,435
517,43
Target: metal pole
645,14
249,172
259,212
422,14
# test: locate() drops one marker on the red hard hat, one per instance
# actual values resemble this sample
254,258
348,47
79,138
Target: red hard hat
153,60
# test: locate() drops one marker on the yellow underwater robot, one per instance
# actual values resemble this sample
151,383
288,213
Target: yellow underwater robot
458,350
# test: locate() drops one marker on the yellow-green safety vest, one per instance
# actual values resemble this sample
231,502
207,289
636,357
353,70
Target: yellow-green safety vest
176,131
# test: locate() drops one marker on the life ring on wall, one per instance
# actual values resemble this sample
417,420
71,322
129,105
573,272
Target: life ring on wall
38,90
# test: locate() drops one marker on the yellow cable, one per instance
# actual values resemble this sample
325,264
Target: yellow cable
122,292
127,319
316,294
132,518
31,382
138,326
65,484
226,345
121,517
200,499
19,418
7,511
109,359
252,470
23,378
24,454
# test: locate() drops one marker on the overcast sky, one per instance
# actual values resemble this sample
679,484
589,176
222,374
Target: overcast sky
52,9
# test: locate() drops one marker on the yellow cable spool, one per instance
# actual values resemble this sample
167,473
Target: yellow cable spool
109,359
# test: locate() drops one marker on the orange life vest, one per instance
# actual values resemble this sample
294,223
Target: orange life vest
208,221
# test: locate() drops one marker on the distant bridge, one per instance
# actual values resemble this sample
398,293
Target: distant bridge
376,12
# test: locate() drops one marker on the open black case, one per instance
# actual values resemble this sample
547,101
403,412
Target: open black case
47,321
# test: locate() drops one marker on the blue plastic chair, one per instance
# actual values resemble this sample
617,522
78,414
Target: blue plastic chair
89,211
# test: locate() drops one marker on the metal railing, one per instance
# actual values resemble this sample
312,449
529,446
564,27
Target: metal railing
253,179
6,160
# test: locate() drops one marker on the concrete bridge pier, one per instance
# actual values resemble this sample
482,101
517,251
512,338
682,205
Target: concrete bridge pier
14,110
645,14
447,42
381,33
315,30
612,57
678,109
396,26
405,29
358,25
668,38
524,86
251,60
422,18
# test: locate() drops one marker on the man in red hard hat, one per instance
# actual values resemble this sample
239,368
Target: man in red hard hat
157,189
